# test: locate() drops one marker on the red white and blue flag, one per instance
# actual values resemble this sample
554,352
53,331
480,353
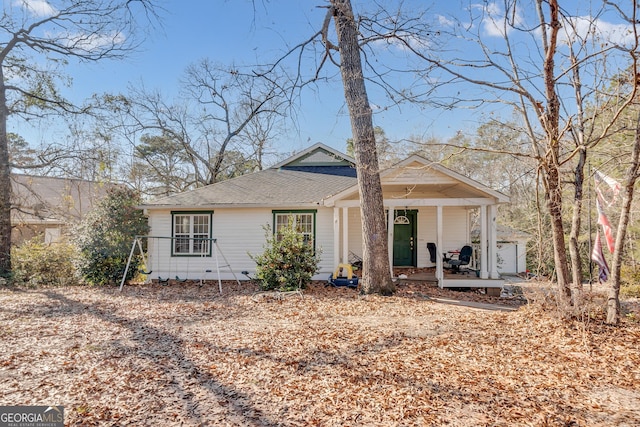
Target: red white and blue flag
609,191
603,220
598,257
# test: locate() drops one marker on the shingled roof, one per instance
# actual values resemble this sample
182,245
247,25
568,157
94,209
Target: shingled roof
51,200
304,179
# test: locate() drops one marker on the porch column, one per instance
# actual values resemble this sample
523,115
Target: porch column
439,266
345,235
390,213
493,243
336,236
484,268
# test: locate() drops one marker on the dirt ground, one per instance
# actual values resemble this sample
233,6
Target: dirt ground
186,355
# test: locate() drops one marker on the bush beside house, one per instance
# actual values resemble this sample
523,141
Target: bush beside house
104,237
288,262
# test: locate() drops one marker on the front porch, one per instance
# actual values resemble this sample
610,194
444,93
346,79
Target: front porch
466,279
426,206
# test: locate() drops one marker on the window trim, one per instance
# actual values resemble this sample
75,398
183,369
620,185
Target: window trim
173,236
296,212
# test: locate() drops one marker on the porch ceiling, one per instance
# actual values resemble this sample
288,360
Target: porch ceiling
421,180
430,191
426,191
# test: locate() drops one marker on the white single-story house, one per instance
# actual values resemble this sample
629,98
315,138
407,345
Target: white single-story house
425,203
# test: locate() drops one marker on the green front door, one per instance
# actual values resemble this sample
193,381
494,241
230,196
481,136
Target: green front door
404,239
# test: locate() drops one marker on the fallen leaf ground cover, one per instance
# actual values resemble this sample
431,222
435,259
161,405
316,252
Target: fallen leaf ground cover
186,355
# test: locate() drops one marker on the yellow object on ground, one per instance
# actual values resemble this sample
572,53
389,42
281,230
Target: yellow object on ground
344,270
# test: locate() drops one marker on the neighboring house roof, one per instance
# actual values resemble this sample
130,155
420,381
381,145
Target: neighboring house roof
321,175
50,200
304,179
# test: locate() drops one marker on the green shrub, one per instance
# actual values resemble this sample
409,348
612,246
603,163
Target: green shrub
105,235
36,264
288,262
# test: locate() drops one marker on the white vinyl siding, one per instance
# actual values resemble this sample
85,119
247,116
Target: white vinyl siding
239,233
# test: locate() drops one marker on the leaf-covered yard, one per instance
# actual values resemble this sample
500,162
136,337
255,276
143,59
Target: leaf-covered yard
184,355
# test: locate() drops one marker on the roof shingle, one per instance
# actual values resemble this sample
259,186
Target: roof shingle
271,187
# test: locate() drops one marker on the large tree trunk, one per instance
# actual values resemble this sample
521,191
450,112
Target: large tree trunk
5,185
550,120
376,270
559,248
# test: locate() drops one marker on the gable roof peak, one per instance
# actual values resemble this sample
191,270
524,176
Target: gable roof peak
317,154
437,167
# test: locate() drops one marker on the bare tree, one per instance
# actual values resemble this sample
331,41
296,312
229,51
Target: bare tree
621,153
530,56
389,153
376,276
497,69
259,134
34,33
632,175
213,119
160,135
235,101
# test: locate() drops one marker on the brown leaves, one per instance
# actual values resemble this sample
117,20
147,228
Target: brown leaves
184,354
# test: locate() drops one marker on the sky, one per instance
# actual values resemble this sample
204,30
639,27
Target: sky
246,32
241,32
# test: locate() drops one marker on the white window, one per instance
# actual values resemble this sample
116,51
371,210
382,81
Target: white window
303,223
191,233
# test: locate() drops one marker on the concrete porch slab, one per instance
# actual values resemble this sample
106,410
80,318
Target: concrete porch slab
472,283
451,280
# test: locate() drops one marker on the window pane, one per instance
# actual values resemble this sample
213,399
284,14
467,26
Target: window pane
307,228
181,224
201,224
200,243
282,221
304,223
181,245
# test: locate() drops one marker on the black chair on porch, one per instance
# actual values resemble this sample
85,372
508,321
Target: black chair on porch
463,259
432,252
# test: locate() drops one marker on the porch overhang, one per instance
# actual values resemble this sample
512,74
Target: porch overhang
476,201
